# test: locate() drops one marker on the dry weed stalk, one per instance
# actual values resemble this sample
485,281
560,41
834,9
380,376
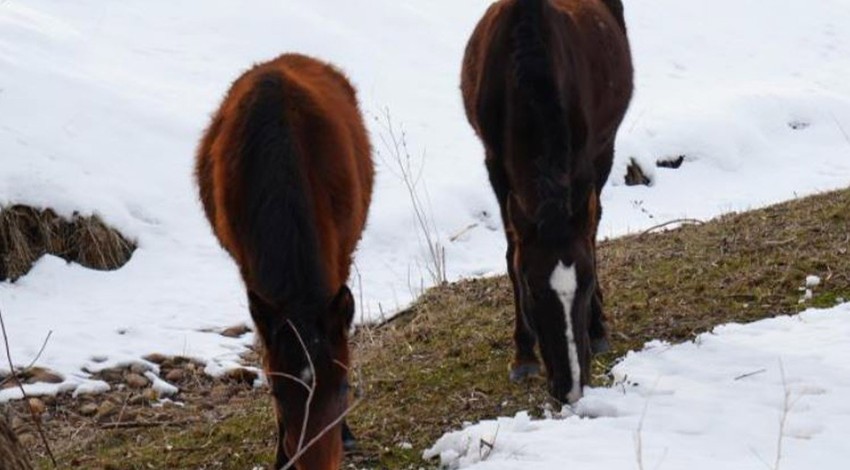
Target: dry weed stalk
401,164
35,419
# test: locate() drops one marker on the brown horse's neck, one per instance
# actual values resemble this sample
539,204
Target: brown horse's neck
284,262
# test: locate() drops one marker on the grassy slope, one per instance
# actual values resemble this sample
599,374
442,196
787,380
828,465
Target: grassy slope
445,360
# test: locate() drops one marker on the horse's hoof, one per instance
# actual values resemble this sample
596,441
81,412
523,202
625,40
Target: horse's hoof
524,371
600,345
349,442
349,445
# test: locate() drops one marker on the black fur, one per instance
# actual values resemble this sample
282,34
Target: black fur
537,84
283,249
616,8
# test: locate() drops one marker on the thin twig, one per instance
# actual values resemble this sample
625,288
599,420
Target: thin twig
841,128
146,424
489,445
463,232
303,448
321,434
32,363
672,222
396,146
786,409
750,374
311,390
24,395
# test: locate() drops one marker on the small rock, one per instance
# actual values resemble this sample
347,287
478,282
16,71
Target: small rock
136,381
242,376
111,375
37,406
88,409
150,395
106,409
235,331
156,358
37,374
139,368
138,400
175,375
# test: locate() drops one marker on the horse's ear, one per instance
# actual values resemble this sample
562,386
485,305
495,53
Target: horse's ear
341,310
519,221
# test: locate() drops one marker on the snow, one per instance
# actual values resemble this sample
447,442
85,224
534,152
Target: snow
102,103
725,400
812,281
161,387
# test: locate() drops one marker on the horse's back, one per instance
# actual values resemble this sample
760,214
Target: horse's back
588,48
304,114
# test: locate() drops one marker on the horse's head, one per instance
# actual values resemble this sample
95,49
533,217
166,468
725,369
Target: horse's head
555,268
307,360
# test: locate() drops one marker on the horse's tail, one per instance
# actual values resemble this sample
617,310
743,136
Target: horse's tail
278,223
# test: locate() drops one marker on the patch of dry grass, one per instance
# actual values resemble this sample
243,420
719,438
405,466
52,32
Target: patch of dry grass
27,234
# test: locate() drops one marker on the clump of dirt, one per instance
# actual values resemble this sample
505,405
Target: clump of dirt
27,234
635,176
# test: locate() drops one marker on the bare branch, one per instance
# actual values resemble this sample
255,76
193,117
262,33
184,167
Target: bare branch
32,363
394,141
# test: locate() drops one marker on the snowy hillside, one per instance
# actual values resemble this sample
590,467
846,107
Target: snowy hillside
101,105
766,395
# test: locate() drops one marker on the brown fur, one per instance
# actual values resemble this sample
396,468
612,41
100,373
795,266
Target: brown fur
321,134
545,85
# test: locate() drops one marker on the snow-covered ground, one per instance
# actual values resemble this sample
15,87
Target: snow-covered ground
771,394
101,105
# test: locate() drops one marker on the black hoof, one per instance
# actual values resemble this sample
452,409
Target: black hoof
349,442
600,346
524,371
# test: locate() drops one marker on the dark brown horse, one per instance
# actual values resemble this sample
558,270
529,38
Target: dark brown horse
546,84
285,175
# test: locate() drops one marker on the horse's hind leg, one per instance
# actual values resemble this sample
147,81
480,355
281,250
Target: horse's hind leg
525,362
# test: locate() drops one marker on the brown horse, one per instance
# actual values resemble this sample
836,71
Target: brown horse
285,176
546,84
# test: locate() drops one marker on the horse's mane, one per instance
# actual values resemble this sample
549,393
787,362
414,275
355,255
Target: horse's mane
535,78
283,248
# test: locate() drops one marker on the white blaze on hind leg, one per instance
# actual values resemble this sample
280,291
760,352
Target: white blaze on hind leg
564,283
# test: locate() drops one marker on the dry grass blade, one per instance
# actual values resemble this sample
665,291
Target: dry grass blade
26,234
